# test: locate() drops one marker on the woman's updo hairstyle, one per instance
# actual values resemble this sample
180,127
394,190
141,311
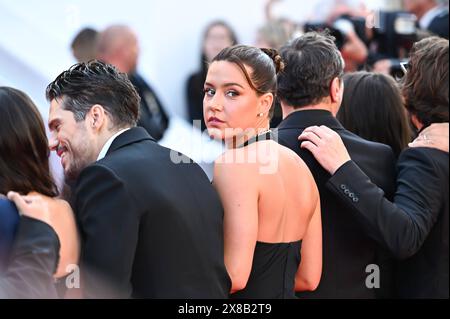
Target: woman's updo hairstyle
277,59
265,65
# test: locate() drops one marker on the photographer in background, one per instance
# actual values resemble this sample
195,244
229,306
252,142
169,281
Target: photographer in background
353,49
395,32
347,25
344,20
391,37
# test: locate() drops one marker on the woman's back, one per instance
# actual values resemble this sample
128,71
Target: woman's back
287,198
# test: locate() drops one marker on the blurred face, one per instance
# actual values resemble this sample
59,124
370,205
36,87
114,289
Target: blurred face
125,53
130,53
72,141
230,105
217,39
414,6
261,42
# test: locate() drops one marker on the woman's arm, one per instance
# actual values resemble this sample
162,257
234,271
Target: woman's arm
237,188
310,269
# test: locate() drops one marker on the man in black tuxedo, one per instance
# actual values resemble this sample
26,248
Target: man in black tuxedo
414,226
118,45
310,90
150,224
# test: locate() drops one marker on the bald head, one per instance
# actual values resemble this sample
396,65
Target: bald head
118,45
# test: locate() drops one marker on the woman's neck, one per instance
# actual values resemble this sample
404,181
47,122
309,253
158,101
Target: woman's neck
240,139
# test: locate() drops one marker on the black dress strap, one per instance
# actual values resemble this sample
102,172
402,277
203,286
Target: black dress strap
260,137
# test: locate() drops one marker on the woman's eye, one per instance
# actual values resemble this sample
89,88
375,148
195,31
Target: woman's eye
209,92
232,93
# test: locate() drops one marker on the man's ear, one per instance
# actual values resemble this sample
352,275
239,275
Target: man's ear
415,121
265,103
336,90
97,117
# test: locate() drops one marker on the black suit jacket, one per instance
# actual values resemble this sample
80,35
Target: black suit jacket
152,115
194,98
415,226
9,220
439,25
32,262
347,248
150,227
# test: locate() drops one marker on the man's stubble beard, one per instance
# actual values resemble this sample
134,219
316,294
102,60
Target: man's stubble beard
81,158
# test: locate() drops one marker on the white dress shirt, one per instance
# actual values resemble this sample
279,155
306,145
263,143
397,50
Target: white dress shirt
428,17
108,143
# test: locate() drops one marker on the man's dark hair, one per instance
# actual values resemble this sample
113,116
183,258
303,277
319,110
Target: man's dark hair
312,62
84,45
87,84
425,87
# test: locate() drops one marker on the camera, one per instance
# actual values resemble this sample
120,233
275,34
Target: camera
394,34
340,27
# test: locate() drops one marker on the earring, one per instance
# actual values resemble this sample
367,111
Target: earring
261,114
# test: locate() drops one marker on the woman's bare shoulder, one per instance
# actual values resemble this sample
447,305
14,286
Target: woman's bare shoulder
56,204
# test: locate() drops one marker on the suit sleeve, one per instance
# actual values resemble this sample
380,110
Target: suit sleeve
194,109
32,263
403,225
109,226
9,220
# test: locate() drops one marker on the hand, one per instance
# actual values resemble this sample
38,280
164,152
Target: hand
434,136
32,206
326,146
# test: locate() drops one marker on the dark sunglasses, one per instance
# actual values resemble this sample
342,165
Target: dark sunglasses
406,66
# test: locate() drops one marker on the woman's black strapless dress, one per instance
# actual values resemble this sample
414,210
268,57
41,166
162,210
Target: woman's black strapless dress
273,272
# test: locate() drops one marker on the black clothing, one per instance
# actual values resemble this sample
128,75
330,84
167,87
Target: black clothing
414,226
151,226
152,115
347,248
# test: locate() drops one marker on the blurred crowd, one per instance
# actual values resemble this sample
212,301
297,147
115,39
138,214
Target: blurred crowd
378,41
